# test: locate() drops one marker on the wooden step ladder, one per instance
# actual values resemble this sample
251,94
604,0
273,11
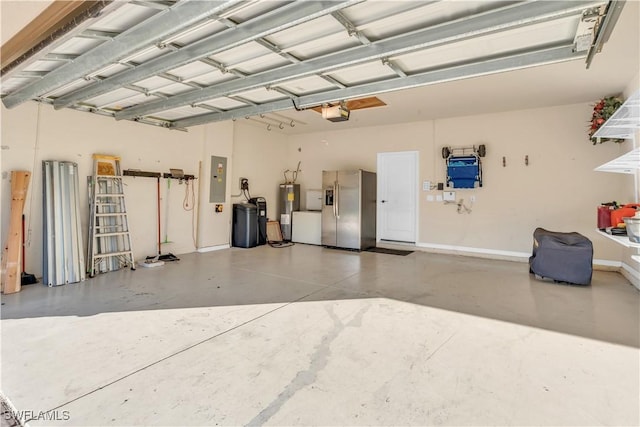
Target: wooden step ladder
109,246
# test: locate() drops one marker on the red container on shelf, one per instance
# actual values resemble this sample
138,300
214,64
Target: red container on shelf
604,216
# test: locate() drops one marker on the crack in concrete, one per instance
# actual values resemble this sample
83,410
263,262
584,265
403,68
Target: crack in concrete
319,360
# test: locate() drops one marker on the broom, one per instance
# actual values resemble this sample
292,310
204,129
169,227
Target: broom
25,278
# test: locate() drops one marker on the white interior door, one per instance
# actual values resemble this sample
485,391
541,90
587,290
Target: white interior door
397,198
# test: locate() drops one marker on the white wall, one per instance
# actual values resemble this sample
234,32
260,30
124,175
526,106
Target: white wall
32,133
261,157
558,190
213,227
354,149
16,14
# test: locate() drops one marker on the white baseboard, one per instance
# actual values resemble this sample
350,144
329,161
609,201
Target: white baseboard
213,248
607,265
598,264
477,252
631,274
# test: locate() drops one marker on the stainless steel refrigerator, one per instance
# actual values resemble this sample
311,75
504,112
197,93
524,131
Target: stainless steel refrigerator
349,209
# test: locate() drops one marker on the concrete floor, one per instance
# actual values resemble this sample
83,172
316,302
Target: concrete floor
312,336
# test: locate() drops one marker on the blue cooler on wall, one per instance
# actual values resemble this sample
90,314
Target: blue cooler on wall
463,171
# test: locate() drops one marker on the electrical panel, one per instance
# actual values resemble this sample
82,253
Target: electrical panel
218,187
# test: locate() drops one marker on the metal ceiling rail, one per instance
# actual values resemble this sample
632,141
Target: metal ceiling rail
289,122
153,30
500,19
351,29
269,23
225,69
286,118
166,124
604,31
482,66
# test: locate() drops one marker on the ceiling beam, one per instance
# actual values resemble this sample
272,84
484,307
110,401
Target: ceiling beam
477,68
512,16
151,31
269,23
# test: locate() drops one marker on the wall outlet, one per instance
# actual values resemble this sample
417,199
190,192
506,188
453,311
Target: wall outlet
426,185
244,184
449,196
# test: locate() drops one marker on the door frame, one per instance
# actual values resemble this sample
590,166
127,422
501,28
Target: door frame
416,194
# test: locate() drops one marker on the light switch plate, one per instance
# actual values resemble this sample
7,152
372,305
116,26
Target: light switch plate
438,198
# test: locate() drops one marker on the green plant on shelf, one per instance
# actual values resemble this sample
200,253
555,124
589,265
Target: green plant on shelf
602,111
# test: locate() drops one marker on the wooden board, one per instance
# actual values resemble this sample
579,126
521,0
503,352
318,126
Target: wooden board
53,19
356,104
106,168
12,273
274,233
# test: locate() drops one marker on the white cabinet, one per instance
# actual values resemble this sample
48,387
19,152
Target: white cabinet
307,227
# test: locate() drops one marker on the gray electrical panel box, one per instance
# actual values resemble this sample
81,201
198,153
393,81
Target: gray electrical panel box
218,187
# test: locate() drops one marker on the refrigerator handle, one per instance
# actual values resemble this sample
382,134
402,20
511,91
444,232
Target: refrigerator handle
336,198
333,205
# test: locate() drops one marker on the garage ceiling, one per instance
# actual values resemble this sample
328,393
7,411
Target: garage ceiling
177,64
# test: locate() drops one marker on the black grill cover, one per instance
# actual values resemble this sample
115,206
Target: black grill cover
564,257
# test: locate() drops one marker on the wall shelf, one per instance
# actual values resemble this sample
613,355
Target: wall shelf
622,240
625,124
627,163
